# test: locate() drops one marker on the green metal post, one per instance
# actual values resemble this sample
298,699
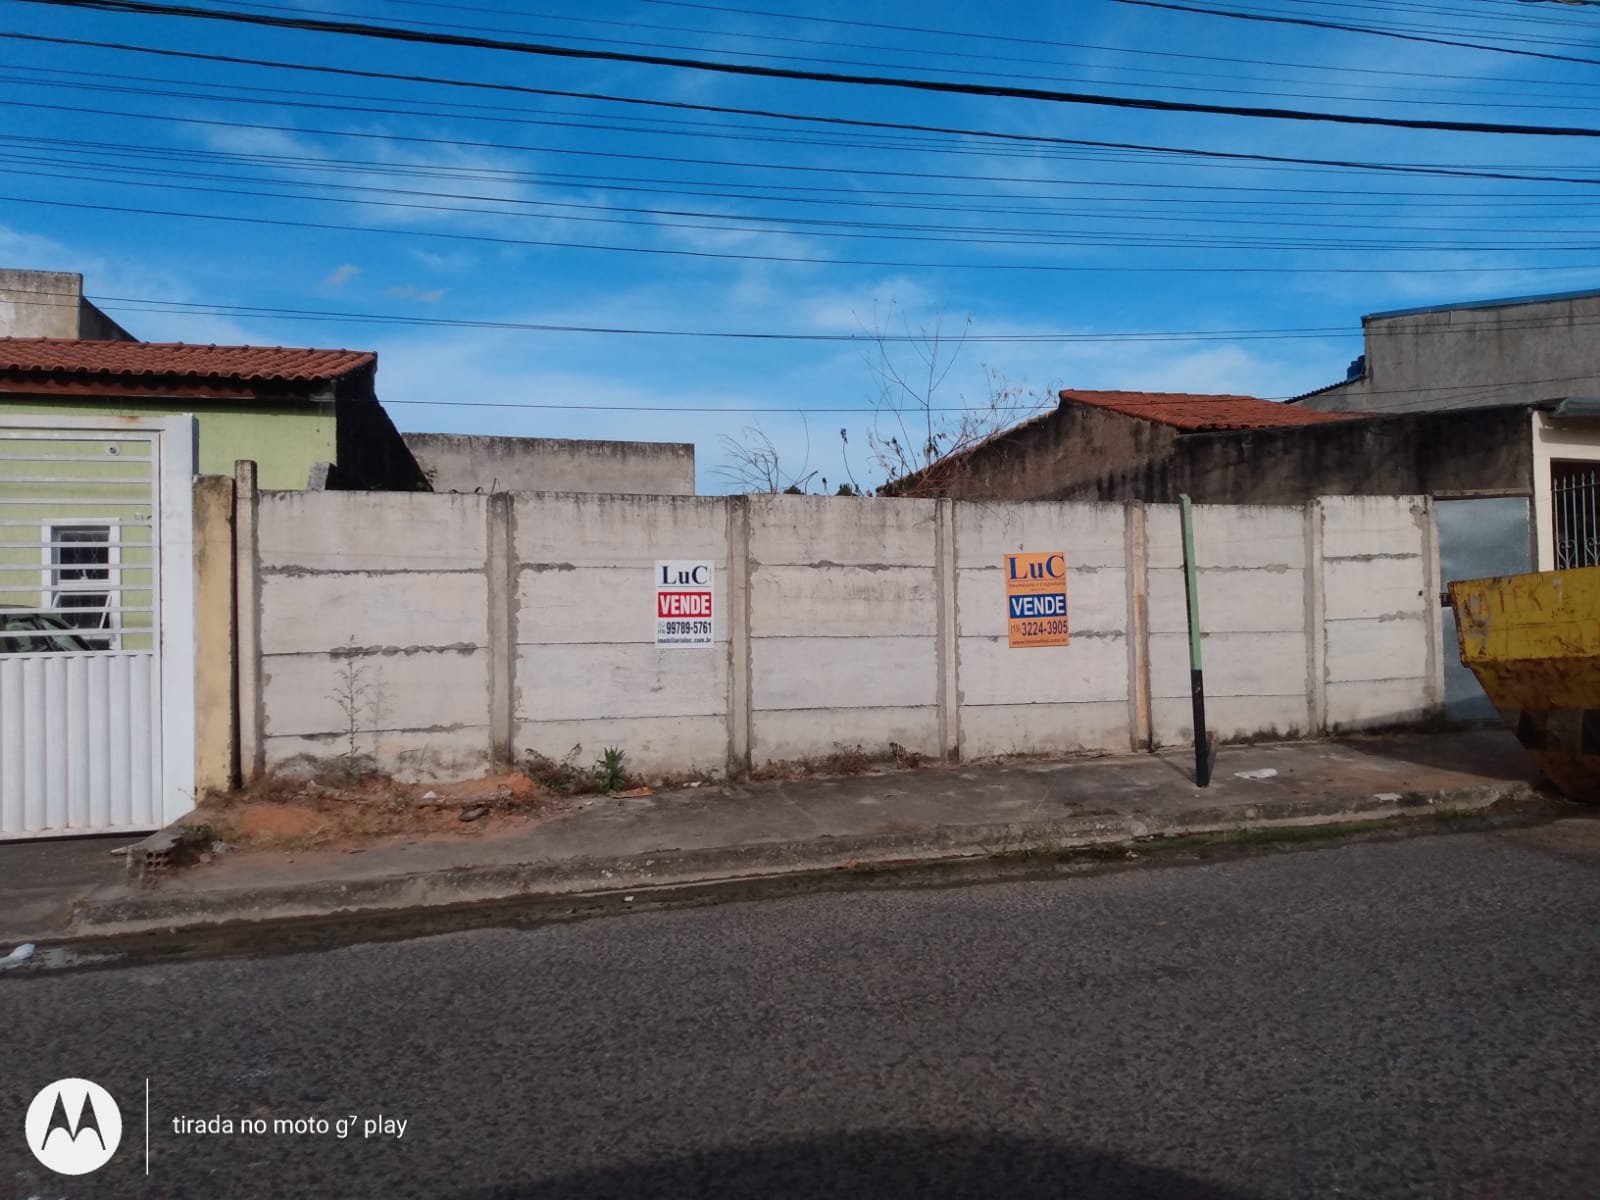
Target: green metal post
1197,687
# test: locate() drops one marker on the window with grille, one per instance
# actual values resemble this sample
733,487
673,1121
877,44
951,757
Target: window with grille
83,580
1575,508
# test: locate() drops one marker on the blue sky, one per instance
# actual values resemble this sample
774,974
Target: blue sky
449,206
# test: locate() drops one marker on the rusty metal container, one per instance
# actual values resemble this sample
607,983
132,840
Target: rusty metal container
1533,641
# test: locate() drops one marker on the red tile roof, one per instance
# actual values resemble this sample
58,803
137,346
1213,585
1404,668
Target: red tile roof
177,361
1193,413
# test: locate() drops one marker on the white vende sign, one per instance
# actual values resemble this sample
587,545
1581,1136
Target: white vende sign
683,604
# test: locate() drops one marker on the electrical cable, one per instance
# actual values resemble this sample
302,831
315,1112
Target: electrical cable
1054,96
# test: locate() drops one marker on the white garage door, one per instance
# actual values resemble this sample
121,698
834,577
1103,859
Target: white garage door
96,642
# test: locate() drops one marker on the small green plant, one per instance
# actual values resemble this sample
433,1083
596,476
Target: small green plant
609,772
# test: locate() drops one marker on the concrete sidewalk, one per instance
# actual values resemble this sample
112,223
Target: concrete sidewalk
63,889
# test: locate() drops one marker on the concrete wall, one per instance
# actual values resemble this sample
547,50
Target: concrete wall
1028,701
1255,647
1470,356
843,625
373,628
587,670
481,627
457,462
1380,615
51,304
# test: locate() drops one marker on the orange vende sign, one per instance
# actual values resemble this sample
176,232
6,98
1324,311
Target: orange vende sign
1036,599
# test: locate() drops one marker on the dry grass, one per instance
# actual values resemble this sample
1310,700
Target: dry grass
845,760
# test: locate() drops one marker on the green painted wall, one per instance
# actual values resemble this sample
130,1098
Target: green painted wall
283,439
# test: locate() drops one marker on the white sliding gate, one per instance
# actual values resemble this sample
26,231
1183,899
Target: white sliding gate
96,624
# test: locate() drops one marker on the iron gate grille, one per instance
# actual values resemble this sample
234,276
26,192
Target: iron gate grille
1575,501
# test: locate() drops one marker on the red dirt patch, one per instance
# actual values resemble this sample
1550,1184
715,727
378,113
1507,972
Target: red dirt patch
334,813
277,822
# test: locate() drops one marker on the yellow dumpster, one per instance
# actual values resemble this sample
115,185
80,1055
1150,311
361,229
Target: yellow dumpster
1533,641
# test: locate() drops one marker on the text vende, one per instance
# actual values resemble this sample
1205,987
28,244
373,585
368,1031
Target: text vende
683,604
1051,604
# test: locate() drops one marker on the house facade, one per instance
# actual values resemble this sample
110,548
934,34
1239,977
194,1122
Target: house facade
309,417
1482,354
1099,445
116,588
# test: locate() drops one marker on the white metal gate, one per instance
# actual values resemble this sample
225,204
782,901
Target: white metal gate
88,630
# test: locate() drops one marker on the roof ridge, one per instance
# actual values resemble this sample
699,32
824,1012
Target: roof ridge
1196,411
83,358
108,343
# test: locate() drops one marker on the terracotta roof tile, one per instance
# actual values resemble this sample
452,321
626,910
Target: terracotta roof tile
177,360
1193,413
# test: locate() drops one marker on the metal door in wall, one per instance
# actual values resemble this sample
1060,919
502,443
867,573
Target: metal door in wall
83,748
1477,537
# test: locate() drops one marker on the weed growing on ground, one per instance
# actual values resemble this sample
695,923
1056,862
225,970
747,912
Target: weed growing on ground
562,776
360,698
609,772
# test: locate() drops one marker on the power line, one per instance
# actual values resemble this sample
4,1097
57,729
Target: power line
62,151
943,52
1334,25
400,34
1430,94
1208,218
800,193
136,304
971,35
881,231
728,256
1440,170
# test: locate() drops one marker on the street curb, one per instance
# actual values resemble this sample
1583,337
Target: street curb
154,910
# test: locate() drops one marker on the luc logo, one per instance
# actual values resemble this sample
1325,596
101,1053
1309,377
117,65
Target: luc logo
1052,566
673,575
73,1126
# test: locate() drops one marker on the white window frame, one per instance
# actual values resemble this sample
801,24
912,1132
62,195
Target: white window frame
1556,441
110,586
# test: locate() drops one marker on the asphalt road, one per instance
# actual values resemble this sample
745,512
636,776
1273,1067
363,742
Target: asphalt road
1415,1018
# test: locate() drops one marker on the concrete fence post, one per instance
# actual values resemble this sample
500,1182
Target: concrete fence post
946,642
739,694
1433,608
1137,557
1316,622
500,567
247,621
216,674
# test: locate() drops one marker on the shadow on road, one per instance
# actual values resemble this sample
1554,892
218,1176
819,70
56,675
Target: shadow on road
884,1166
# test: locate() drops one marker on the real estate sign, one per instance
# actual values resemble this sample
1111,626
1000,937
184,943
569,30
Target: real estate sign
1036,599
683,604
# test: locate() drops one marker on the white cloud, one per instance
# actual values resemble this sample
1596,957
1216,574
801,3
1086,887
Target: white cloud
341,276
28,251
409,292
